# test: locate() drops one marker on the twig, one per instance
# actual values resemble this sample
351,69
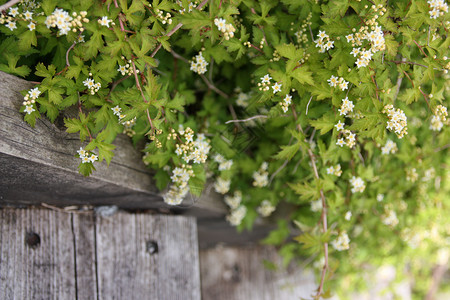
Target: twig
213,87
137,82
67,53
200,6
420,48
307,105
399,83
438,274
8,5
323,215
245,120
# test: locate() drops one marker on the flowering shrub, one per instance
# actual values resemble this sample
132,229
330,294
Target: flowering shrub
333,112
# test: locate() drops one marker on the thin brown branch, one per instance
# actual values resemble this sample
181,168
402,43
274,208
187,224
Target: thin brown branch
323,215
67,53
8,5
138,84
200,6
420,48
213,87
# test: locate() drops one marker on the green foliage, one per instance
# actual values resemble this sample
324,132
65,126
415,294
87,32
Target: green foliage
174,73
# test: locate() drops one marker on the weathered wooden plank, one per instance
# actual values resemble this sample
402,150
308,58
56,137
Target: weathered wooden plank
147,257
44,158
36,255
83,230
238,273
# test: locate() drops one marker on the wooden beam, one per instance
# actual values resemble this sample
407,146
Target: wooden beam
48,254
234,273
39,165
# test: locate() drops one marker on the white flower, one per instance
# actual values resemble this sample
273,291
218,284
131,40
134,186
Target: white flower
29,109
380,197
316,205
93,158
288,99
11,25
31,26
236,216
81,152
222,186
340,142
348,215
266,208
28,15
266,79
104,21
276,87
339,126
34,93
357,184
341,242
13,11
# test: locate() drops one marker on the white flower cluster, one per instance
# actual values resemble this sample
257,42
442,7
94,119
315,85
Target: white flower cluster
346,107
234,201
126,69
65,23
226,28
389,218
412,175
439,117
242,99
357,184
128,125
316,206
348,215
397,120
380,197
86,157
223,163
30,100
374,36
182,10
180,177
167,18
222,186
286,102
437,8
196,150
390,147
335,81
324,42
198,64
429,174
261,177
342,242
236,216
266,208
349,139
335,170
92,85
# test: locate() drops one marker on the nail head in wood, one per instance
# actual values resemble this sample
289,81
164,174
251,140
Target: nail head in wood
151,247
32,239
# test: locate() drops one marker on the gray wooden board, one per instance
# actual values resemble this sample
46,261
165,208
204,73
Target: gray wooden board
81,256
239,274
39,165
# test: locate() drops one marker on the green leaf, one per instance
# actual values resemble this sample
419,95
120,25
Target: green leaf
305,191
303,75
324,124
288,151
42,71
86,169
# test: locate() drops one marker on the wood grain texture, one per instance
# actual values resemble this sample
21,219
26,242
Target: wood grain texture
81,256
125,262
46,271
239,274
